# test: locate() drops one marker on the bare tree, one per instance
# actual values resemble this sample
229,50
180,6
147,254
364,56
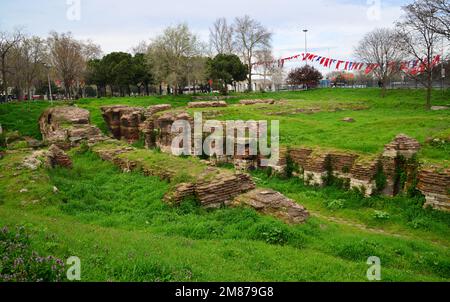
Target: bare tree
441,10
419,40
142,47
29,59
249,37
221,37
380,46
170,54
90,51
267,68
7,42
69,57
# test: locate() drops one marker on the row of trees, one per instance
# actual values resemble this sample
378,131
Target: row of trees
416,36
26,62
119,71
178,58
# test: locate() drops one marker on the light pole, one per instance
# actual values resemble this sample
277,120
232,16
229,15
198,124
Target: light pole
306,59
49,84
306,45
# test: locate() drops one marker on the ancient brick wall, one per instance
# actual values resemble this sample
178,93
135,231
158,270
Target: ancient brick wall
434,183
124,121
68,127
207,104
253,102
315,165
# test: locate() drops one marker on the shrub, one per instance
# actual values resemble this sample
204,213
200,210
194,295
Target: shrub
291,166
355,251
18,263
335,204
380,179
381,215
272,233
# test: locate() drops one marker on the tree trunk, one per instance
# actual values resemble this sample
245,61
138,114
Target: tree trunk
4,82
383,90
250,88
429,88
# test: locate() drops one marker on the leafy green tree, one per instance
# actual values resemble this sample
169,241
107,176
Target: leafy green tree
119,70
142,76
97,75
227,69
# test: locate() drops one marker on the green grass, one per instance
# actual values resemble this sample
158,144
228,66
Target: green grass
121,230
378,119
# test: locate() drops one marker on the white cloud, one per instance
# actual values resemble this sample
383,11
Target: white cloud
118,25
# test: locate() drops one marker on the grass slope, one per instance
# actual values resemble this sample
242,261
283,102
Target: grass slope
119,227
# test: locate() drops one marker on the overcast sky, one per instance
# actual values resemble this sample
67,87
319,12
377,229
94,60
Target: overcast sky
117,25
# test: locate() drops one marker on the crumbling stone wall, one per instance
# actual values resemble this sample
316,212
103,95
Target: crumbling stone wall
273,203
213,187
123,121
68,127
434,183
253,102
163,134
207,104
315,166
394,159
58,158
127,123
359,173
363,176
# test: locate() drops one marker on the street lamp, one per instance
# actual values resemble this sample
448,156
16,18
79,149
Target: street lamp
49,84
306,46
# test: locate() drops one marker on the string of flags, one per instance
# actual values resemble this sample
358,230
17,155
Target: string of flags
412,67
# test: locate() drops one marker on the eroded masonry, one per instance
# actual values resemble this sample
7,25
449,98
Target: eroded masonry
391,172
211,186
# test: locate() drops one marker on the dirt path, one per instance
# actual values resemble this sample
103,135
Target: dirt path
357,225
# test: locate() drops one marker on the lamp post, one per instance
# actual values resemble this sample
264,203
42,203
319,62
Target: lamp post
306,45
49,84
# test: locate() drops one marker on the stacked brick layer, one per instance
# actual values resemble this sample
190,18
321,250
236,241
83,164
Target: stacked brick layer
435,185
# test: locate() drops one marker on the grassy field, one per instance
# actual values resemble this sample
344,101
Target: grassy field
307,118
120,228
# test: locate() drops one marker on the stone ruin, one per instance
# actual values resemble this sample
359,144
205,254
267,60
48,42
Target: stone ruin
253,102
68,127
207,104
434,183
58,158
316,165
212,188
358,173
273,203
123,121
52,158
127,123
214,98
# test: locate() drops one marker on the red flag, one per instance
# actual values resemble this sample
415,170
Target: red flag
369,68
